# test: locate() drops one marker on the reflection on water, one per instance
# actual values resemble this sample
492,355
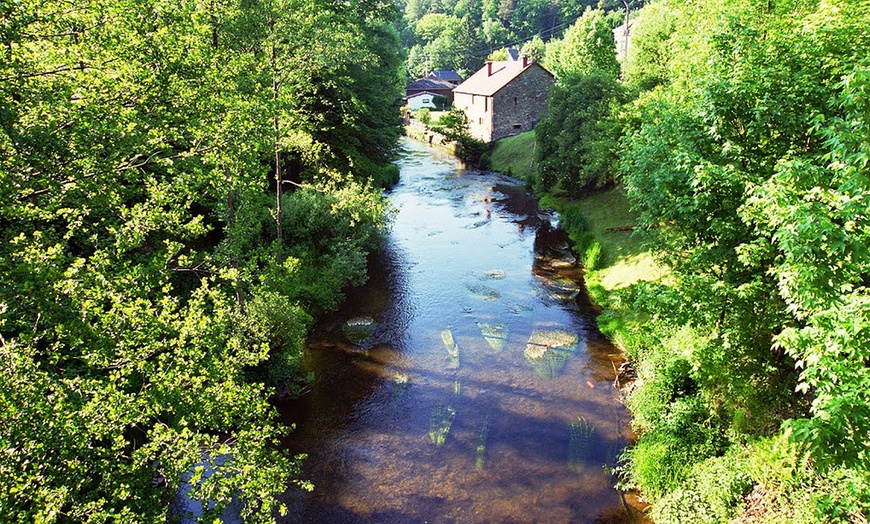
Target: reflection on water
466,382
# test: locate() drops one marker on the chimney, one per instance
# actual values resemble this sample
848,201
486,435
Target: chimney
489,69
525,61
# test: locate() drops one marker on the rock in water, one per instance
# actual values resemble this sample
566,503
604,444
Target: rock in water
494,334
494,274
439,424
483,292
358,329
452,348
549,350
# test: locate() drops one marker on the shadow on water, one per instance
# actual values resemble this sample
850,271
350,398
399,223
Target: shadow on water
446,409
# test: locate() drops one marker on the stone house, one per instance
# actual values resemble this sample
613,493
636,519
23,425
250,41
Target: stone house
504,98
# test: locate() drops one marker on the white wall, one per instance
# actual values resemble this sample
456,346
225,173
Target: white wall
420,101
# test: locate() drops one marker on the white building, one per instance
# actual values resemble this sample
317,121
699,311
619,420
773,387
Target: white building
421,100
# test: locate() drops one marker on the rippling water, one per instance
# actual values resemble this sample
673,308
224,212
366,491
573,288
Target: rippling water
480,390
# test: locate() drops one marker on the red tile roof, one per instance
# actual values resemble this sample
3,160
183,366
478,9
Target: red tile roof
488,81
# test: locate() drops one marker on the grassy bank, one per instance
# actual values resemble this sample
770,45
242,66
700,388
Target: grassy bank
691,462
515,156
600,224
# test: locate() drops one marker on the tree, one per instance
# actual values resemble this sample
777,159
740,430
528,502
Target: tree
742,170
144,314
587,46
578,140
646,65
534,49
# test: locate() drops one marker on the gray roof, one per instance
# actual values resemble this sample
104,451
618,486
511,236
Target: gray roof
429,83
450,76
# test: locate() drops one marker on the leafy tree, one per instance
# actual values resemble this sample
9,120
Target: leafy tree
534,49
577,142
140,296
743,170
647,63
587,46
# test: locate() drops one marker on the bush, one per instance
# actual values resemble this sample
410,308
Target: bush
387,176
279,325
424,116
330,231
591,256
485,161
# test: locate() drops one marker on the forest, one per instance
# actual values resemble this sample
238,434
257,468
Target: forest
183,189
462,34
739,133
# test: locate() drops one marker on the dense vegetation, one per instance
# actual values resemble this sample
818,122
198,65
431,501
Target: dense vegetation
461,34
739,131
183,186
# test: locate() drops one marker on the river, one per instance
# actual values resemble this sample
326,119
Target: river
477,388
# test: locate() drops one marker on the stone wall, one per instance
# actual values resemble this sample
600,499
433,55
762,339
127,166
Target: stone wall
478,109
520,105
516,108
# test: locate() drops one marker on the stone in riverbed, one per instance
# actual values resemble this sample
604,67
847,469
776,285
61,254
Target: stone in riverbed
358,329
494,334
439,424
549,350
452,348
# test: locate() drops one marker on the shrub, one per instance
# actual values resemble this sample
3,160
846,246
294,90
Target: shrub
485,161
279,326
591,256
424,116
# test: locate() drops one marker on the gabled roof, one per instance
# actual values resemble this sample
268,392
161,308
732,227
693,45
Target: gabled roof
428,84
450,76
493,76
423,93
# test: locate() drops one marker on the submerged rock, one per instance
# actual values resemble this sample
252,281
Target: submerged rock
358,329
560,289
480,450
483,292
494,334
549,350
452,348
439,424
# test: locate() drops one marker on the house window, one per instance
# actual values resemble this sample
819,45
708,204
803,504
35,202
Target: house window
426,100
518,126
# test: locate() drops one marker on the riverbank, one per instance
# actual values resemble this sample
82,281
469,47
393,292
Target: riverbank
601,225
422,133
708,417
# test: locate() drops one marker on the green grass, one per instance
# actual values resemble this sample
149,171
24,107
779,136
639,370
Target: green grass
623,259
514,155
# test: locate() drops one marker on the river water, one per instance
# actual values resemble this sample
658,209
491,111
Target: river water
477,388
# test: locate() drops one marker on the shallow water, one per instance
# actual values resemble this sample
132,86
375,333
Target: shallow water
482,391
